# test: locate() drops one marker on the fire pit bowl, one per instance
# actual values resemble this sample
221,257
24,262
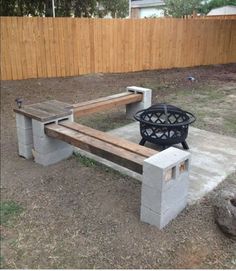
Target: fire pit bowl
164,125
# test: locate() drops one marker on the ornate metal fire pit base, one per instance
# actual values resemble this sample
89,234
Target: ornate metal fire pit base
164,125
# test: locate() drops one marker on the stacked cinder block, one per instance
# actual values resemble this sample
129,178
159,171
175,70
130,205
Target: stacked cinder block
146,102
164,186
48,150
32,140
24,135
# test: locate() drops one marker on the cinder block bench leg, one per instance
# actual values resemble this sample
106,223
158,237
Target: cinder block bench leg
48,151
164,186
24,136
131,109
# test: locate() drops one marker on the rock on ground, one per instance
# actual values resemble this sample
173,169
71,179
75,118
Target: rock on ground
225,210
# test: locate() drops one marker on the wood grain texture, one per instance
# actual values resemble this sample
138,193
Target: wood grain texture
45,111
56,47
105,137
90,107
98,147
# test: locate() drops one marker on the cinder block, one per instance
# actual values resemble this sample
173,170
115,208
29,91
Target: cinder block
44,145
25,136
162,170
147,94
161,200
48,150
53,157
38,127
164,186
151,198
160,220
25,150
23,121
131,109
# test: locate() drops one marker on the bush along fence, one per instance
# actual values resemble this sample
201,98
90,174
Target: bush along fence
57,47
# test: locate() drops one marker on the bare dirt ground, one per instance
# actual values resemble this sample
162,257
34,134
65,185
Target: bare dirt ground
81,215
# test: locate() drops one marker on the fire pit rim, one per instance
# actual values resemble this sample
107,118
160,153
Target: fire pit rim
191,119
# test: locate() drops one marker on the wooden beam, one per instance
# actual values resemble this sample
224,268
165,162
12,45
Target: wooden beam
105,137
98,147
103,99
85,108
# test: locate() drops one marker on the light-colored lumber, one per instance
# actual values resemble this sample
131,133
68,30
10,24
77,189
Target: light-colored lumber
105,137
85,108
103,149
48,47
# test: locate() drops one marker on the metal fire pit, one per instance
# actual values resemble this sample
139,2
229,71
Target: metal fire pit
164,125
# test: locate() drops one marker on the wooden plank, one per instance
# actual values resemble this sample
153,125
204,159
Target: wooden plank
38,39
47,47
41,57
76,44
48,108
33,113
91,42
59,104
45,111
34,46
105,150
119,142
8,48
80,46
119,95
16,54
67,45
29,49
3,62
62,46
92,108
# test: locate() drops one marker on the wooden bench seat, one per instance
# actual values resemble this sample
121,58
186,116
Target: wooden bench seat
117,150
89,107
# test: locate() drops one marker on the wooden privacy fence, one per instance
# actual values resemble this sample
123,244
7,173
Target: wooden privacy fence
55,47
233,16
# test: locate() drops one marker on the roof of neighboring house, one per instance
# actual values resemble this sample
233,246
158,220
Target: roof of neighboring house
225,10
146,3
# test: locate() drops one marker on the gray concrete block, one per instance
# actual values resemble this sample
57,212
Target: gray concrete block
23,121
131,109
25,136
151,198
49,150
53,157
147,94
160,220
165,186
38,127
46,144
160,201
162,170
150,217
25,150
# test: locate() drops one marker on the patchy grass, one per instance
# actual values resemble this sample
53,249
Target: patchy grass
213,107
9,210
88,162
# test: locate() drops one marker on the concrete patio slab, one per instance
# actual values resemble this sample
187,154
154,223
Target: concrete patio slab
213,158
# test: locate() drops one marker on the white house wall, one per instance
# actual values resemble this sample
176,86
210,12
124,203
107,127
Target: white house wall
147,12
